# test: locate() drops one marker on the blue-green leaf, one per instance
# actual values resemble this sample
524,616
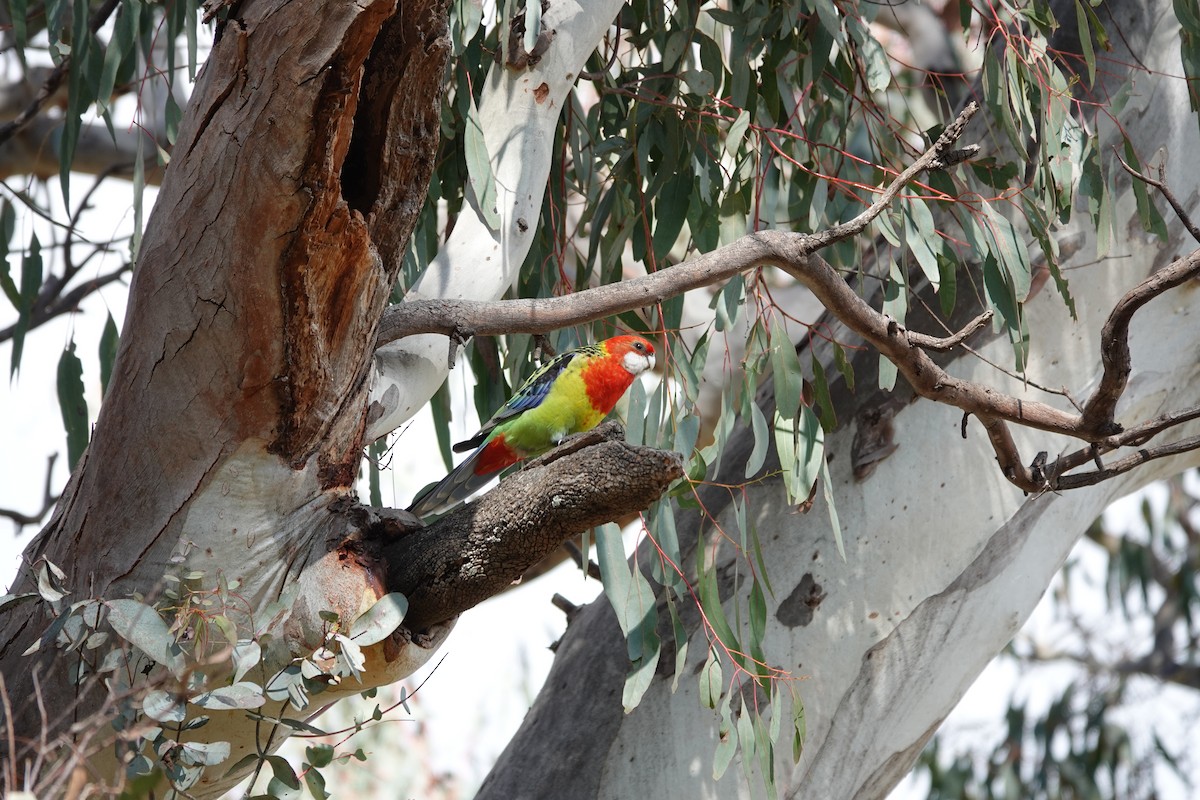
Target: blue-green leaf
789,377
633,601
686,432
799,725
827,486
875,61
172,116
204,753
727,744
141,626
800,442
120,47
315,781
319,755
922,239
670,211
163,706
1010,250
72,404
714,612
1152,221
109,340
681,644
246,656
283,772
479,167
380,620
238,695
635,413
31,283
710,680
762,440
8,222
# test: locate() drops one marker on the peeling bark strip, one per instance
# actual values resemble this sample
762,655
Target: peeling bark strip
476,552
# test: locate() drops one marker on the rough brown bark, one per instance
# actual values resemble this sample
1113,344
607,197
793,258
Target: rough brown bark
477,551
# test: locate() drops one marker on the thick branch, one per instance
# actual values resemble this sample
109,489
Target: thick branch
49,498
796,254
32,151
790,251
479,550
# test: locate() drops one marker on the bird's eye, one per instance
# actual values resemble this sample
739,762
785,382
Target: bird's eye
639,346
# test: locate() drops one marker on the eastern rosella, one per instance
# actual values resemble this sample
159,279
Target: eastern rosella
574,392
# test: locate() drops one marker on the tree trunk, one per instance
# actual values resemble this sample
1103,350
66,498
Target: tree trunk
944,558
232,431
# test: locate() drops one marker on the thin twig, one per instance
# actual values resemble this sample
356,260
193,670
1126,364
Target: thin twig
48,501
1022,377
1136,459
1135,436
942,345
612,57
68,302
1168,195
70,268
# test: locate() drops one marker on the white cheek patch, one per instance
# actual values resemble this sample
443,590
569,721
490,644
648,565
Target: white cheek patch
636,363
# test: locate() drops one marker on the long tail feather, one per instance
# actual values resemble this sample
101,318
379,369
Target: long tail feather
460,484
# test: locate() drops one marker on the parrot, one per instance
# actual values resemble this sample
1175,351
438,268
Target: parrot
571,393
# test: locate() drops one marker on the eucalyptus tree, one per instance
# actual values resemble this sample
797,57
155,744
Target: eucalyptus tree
852,495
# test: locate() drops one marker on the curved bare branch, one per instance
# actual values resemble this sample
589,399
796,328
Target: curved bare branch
796,254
